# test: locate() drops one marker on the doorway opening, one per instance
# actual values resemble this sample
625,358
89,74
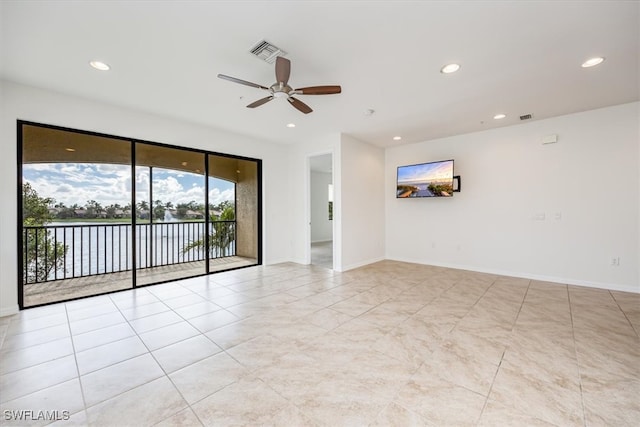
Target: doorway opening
321,210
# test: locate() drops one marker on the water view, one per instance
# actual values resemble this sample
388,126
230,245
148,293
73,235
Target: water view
94,248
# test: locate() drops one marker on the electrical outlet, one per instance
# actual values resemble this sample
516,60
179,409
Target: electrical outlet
615,261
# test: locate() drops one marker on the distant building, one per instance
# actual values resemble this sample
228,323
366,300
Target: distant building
193,215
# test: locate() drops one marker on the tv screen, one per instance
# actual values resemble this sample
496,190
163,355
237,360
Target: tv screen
433,179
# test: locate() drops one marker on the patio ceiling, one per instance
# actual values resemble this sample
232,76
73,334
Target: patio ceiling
47,145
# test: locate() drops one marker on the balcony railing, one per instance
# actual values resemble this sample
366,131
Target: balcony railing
58,252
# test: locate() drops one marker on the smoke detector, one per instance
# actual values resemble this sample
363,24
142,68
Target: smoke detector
266,51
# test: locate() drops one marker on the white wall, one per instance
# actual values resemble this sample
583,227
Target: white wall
586,186
358,209
299,181
321,226
27,103
362,201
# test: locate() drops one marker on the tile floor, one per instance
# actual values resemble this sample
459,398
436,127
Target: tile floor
387,344
66,289
322,254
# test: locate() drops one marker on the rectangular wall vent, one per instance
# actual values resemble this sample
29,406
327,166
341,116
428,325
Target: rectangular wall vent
526,117
266,51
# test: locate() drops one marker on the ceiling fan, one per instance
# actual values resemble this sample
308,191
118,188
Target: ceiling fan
281,88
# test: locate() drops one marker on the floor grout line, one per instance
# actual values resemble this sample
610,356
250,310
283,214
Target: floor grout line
575,350
624,314
75,358
515,320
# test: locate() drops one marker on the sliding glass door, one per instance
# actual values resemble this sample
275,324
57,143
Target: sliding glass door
101,214
76,215
170,203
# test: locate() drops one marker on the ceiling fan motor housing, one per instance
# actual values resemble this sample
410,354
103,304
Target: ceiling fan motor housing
280,91
281,88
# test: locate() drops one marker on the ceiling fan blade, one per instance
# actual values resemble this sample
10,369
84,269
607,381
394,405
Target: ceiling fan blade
242,82
299,105
283,70
259,102
319,90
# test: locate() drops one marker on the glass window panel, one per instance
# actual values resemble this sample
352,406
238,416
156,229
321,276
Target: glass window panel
76,200
170,212
233,204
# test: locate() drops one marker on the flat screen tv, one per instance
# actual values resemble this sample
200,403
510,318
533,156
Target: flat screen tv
433,179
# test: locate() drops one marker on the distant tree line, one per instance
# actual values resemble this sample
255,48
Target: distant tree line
93,209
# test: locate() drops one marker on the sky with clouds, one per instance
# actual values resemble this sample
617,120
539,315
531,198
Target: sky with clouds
425,172
76,183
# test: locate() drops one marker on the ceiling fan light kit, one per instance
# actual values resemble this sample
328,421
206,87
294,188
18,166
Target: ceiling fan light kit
281,88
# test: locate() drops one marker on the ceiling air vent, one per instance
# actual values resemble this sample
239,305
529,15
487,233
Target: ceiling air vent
266,51
526,117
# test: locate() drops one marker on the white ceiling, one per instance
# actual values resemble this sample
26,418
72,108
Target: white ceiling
321,163
517,57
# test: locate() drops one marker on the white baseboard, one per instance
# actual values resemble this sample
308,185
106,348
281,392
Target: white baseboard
530,276
362,263
276,261
8,311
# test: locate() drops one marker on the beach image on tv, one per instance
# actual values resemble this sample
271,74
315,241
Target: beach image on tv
426,180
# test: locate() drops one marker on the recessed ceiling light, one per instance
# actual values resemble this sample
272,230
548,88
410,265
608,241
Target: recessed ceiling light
99,65
499,116
592,62
450,68
71,150
291,125
397,138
